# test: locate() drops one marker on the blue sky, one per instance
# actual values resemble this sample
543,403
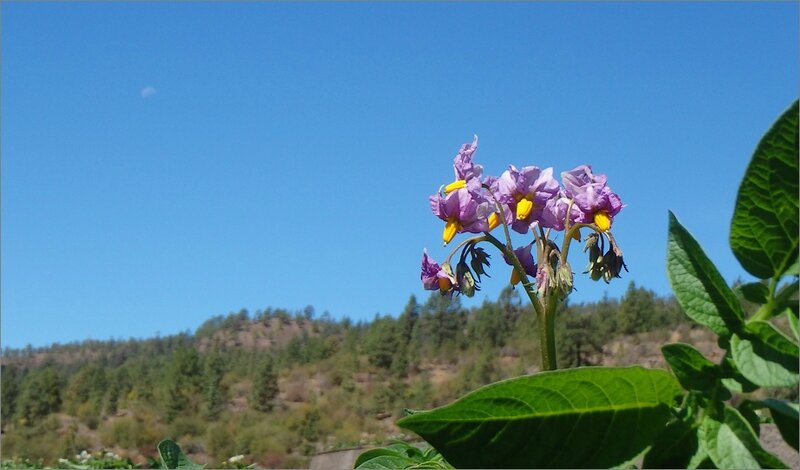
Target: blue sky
163,163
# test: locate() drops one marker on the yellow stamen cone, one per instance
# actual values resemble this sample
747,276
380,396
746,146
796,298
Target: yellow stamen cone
602,220
457,184
514,277
524,208
444,284
494,221
450,230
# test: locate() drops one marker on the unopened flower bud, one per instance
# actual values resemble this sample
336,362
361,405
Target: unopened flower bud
564,281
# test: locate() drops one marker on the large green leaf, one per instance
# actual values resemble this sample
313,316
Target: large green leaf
785,414
173,457
585,417
732,443
692,369
698,286
764,229
674,447
765,356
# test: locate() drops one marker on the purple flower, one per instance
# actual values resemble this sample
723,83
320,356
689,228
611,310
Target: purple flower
555,213
433,276
467,174
526,193
462,211
578,178
597,203
525,258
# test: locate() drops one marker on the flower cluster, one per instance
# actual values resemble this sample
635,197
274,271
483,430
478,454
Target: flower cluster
527,200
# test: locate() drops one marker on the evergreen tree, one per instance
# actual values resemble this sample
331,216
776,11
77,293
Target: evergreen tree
213,394
41,394
10,377
175,403
636,310
265,387
381,342
113,398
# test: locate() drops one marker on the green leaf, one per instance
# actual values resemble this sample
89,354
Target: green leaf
765,356
773,337
756,292
173,457
747,408
692,369
786,298
764,229
700,289
732,443
585,417
674,447
732,379
383,458
785,414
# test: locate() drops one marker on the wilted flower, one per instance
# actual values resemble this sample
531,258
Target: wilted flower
526,193
462,211
467,174
577,178
598,204
525,257
606,266
434,276
465,281
479,258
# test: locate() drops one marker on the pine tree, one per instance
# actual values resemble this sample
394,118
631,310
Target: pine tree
113,398
213,393
265,388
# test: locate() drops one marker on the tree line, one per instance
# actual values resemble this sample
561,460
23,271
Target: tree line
207,377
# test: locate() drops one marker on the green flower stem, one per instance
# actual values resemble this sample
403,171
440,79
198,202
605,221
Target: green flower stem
547,334
465,242
569,232
547,339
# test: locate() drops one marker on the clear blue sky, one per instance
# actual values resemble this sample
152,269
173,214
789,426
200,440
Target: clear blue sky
163,163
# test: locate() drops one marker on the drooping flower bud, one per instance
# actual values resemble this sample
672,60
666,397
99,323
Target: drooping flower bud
466,283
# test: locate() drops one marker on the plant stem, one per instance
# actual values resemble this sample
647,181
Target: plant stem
544,313
765,311
469,240
547,333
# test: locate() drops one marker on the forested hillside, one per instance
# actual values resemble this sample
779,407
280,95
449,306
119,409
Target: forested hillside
280,386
